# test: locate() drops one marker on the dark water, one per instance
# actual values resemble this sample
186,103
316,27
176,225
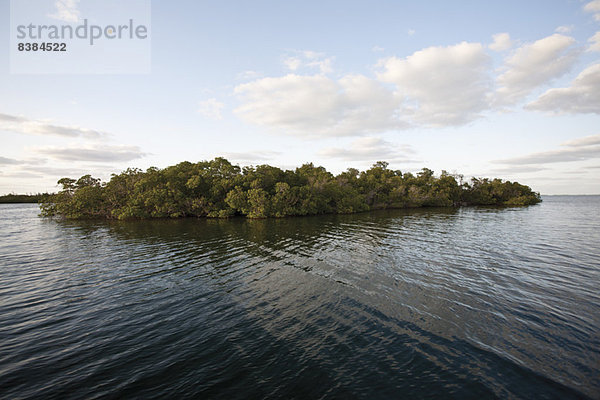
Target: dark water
470,303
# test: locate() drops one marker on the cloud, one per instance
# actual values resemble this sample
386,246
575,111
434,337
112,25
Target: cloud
319,106
97,153
554,156
26,175
18,124
501,42
586,148
370,149
246,75
251,157
211,108
584,141
433,87
66,10
535,64
30,161
292,63
593,7
525,169
309,60
583,96
9,161
564,29
318,60
443,86
595,42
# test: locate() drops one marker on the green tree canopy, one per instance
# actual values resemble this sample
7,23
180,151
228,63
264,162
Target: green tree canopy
219,189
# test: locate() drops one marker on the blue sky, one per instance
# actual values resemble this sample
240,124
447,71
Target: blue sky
508,89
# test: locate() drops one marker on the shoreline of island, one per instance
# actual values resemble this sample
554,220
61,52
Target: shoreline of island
219,189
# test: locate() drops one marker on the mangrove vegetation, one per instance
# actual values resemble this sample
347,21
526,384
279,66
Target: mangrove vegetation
218,189
13,198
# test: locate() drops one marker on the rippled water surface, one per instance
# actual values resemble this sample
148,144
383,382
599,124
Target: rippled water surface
467,303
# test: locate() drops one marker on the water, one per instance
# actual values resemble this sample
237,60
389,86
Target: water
468,303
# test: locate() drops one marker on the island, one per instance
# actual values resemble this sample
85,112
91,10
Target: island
13,198
219,189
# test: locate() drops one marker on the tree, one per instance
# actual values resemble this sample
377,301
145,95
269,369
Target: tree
218,189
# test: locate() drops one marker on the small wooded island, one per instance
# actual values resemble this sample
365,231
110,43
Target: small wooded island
218,189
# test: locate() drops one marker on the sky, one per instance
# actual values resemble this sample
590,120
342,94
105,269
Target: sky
506,89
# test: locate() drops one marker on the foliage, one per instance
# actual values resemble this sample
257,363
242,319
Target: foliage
218,189
21,198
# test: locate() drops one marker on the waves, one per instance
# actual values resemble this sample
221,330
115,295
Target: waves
469,303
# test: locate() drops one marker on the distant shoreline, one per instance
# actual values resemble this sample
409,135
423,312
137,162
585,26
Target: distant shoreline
14,198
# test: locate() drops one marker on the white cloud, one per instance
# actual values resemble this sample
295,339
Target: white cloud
370,149
319,106
583,96
564,29
292,63
97,153
586,148
310,60
18,124
443,86
535,64
211,108
594,42
593,7
433,87
323,65
246,75
501,42
66,10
